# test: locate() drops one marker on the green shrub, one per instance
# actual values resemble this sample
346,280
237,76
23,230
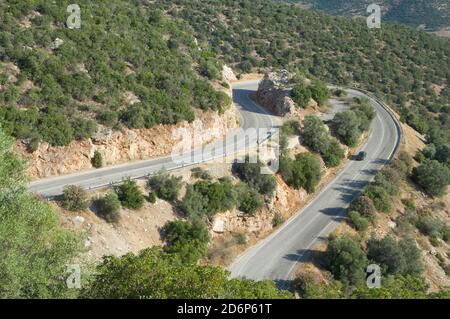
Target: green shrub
433,177
108,207
430,226
359,222
250,173
241,239
189,240
402,257
97,159
364,206
380,198
198,172
130,194
165,186
152,197
304,171
346,261
301,95
75,198
320,92
249,200
347,127
333,154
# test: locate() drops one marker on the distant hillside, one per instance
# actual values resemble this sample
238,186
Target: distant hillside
434,14
407,68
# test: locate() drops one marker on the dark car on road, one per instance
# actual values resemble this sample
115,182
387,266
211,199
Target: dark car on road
361,156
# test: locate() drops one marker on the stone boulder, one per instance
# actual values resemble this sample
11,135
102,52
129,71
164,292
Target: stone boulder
274,93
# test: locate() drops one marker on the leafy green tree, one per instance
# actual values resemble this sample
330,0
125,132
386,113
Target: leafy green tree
433,177
347,126
97,159
108,207
346,261
401,257
156,275
319,92
301,95
75,198
398,287
334,154
315,134
130,194
31,226
306,172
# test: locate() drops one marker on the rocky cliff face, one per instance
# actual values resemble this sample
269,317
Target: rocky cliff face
121,146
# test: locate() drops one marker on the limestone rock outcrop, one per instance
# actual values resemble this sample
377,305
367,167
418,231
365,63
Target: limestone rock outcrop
274,93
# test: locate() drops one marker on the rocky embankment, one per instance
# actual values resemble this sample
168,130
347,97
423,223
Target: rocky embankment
120,146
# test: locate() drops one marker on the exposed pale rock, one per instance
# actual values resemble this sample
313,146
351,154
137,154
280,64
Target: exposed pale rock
274,93
56,43
228,74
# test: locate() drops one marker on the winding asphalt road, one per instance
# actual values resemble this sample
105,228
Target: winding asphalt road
252,116
276,256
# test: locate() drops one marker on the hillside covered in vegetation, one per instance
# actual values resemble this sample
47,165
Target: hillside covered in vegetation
126,65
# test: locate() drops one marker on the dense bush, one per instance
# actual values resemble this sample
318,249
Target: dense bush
347,127
402,257
301,95
206,198
433,177
430,226
346,261
130,194
152,197
75,198
320,92
189,240
108,207
249,200
250,173
277,220
198,172
303,172
165,185
158,275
